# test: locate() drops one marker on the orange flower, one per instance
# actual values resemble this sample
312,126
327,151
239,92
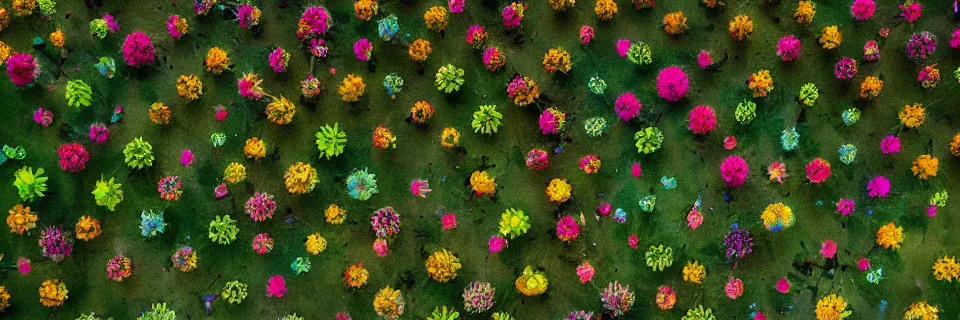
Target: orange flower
420,50
925,166
160,113
57,39
217,60
675,23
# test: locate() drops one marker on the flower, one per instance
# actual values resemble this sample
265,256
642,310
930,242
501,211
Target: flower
845,206
738,243
590,164
605,9
523,90
442,265
617,299
648,140
925,166
531,283
911,11
633,241
21,219
659,257
170,188
702,120
871,51
248,15
734,171
955,39
832,307
627,106
562,5
921,311
138,50
734,288
514,223
552,121
636,170
43,117
314,23
184,259
420,188
870,87
557,59
788,48
177,26
513,14
249,85
280,59
890,236
694,272
537,159
929,76
665,298
818,170
23,266
879,186
675,23
761,83
53,293
890,144
56,243
119,268
777,217
921,45
57,38
365,9
22,68
476,35
567,229
585,272
478,297
448,221
806,9
420,50
863,264
436,18
559,191
363,49
848,153
740,27
352,88
586,35
355,276
315,244
704,60
845,69
672,84
189,87
783,286
863,9
300,178
380,247
828,249
777,171
73,157
456,6
494,59
496,243
263,244
260,206
276,286
729,142
912,116
946,269
831,37
383,138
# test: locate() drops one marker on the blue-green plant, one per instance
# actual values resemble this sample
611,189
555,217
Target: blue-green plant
138,154
850,116
393,83
331,140
30,184
790,139
79,94
361,184
107,193
486,120
151,223
301,265
848,153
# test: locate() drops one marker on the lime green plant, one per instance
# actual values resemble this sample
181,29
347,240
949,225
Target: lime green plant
91,316
699,313
502,316
292,317
449,78
746,112
444,314
809,94
640,54
223,230
234,292
648,140
659,257
108,193
486,120
79,94
158,311
30,184
514,223
138,154
331,140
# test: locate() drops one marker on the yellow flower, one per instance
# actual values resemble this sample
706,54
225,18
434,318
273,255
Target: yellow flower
912,116
675,23
420,50
559,191
946,269
57,39
870,87
24,7
831,37
235,173
890,236
442,265
925,166
451,138
4,298
388,303
21,219
383,138
189,87
482,184
315,244
281,111
334,214
87,228
921,311
606,9
159,113
356,276
805,12
300,178
217,60
955,145
740,27
832,307
436,18
557,60
5,50
761,83
694,272
562,5
255,148
532,283
53,293
352,88
365,9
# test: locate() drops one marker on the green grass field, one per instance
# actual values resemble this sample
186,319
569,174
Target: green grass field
321,293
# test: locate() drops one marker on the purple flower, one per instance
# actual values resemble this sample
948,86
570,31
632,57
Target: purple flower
99,133
738,242
878,187
363,49
845,69
112,24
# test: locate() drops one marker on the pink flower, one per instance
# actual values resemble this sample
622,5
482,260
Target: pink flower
863,9
818,170
380,246
704,60
729,142
567,229
884,32
186,158
333,70
777,171
863,264
586,35
551,121
279,59
363,49
955,40
448,221
73,157
220,113
43,117
263,244
783,286
537,159
172,27
634,241
249,86
420,188
734,288
314,22
879,186
590,164
931,211
23,265
734,171
871,51
138,50
694,217
604,209
829,249
585,271
911,12
627,106
276,286
845,69
846,206
220,191
476,34
636,170
99,133
496,244
513,14
112,24
623,47
890,144
22,69
702,120
455,6
672,84
759,316
788,48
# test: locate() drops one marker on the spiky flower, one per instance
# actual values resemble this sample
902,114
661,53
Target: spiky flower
331,140
478,297
809,94
514,223
617,298
699,313
78,94
107,193
30,185
385,222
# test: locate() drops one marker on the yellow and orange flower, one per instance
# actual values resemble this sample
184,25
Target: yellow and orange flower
217,60
189,87
559,190
88,228
805,12
675,23
912,116
606,9
352,88
740,27
449,138
482,184
315,244
831,37
925,166
870,87
21,219
255,149
420,50
334,214
890,236
160,113
58,39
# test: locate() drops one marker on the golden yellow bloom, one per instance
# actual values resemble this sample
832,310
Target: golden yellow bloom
946,269
365,9
87,228
740,27
356,276
217,60
449,138
832,307
559,191
4,298
159,113
482,184
606,9
300,178
532,283
255,148
675,23
352,88
235,173
436,18
281,111
925,166
189,87
890,236
831,37
761,83
955,145
388,303
420,50
334,214
315,244
805,12
21,219
557,60
912,116
442,265
53,293
24,7
694,272
4,18
5,50
870,87
57,39
562,5
921,311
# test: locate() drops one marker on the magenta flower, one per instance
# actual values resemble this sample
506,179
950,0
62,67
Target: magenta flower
276,286
911,12
783,286
702,120
455,6
314,23
43,117
537,159
420,188
623,47
846,206
818,170
627,106
604,209
890,144
921,45
220,191
186,158
636,170
845,69
248,15
586,35
729,142
788,48
448,221
863,9
22,69
494,59
476,34
734,171
99,133
172,27
551,121
263,244
513,14
863,264
138,49
879,186
931,211
23,265
585,272
249,86
871,51
590,164
363,49
260,206
280,59
634,241
496,244
567,229
112,24
73,157
704,60
220,113
955,39
672,84
829,249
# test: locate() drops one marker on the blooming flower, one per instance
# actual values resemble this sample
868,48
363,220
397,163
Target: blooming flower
890,144
704,60
879,186
585,271
672,84
845,206
734,288
828,249
586,35
363,49
783,286
788,48
734,171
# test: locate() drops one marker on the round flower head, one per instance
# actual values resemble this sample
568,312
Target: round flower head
672,84
871,50
879,186
627,106
513,14
845,69
788,48
537,159
702,120
22,69
818,170
138,50
846,206
734,171
590,164
552,121
99,133
911,11
586,35
829,249
704,60
890,144
863,9
623,47
363,49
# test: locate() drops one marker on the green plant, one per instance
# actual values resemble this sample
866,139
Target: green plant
648,140
809,94
699,313
449,78
15,153
138,154
514,223
91,316
444,314
223,230
486,120
47,7
158,312
640,54
292,317
108,193
331,140
659,257
234,292
746,112
30,185
79,94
